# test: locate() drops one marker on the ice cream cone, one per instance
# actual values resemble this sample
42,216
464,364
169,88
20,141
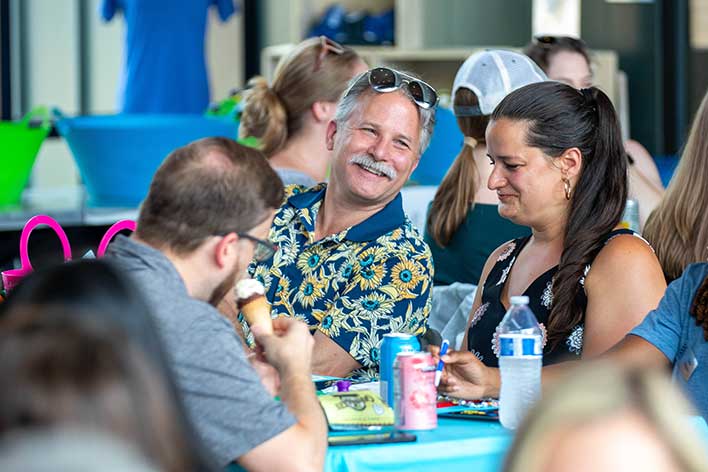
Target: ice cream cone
257,312
251,300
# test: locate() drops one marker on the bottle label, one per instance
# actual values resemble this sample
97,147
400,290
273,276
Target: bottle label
515,345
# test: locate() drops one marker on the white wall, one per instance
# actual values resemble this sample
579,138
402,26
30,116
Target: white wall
51,78
105,52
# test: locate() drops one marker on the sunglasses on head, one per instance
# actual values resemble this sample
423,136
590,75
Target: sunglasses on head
383,79
326,46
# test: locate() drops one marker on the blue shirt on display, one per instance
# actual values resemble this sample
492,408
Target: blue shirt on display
164,68
672,330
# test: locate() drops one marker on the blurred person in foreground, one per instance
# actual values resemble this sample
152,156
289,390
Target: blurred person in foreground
567,60
349,262
678,227
607,418
206,215
290,116
80,357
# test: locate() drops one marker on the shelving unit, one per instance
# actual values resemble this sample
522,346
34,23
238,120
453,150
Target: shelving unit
438,66
430,38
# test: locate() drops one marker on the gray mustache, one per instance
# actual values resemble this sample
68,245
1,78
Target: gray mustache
370,163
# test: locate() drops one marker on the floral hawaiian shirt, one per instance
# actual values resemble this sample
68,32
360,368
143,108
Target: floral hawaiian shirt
355,286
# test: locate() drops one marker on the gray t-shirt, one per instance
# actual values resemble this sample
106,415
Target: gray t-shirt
672,330
224,397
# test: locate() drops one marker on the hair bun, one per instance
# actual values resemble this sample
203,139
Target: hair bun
264,116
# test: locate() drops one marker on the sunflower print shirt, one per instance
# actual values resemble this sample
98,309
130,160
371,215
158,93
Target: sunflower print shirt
355,286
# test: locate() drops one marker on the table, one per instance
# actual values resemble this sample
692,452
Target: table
67,205
456,445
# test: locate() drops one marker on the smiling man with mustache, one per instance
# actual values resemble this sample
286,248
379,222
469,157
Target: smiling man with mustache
349,262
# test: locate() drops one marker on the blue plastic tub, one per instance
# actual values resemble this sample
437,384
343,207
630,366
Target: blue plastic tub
445,145
117,155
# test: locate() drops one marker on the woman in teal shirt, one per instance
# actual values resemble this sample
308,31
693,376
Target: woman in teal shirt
463,227
479,234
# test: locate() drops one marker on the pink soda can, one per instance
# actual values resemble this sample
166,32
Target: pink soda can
414,392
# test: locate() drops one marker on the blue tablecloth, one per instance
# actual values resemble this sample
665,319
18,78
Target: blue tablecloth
456,445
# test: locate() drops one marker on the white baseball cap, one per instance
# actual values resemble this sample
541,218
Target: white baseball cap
492,75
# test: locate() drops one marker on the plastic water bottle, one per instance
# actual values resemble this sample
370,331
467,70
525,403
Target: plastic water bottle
630,217
520,362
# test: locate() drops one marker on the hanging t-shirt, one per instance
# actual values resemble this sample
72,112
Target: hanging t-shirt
164,66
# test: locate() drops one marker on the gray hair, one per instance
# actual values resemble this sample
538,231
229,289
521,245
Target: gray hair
359,86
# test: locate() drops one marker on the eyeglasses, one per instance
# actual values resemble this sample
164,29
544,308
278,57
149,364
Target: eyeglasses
326,46
264,250
383,79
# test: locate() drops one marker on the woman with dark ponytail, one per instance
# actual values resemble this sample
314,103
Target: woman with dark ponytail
558,168
569,60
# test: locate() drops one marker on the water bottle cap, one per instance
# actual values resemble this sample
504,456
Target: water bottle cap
520,300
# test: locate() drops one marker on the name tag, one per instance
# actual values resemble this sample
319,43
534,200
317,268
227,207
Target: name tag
687,364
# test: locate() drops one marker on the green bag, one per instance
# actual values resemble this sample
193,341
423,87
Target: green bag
19,144
232,106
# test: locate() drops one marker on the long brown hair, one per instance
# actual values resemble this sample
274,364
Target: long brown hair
317,70
677,228
455,194
560,117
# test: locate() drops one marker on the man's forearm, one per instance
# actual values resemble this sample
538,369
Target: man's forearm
297,391
329,358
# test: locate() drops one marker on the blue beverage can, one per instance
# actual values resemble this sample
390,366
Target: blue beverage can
391,346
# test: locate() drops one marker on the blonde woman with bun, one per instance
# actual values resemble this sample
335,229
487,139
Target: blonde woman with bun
290,116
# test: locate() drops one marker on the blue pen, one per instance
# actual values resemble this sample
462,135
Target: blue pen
438,371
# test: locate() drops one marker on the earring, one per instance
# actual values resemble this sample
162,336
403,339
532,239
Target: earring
566,187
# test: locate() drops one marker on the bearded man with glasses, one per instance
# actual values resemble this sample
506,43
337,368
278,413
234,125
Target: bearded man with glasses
206,216
349,262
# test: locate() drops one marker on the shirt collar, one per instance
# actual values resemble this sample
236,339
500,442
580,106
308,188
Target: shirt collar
308,198
137,255
387,219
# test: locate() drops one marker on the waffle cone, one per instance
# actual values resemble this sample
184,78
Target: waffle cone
257,312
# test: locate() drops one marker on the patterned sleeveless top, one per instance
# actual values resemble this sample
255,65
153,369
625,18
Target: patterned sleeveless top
482,337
